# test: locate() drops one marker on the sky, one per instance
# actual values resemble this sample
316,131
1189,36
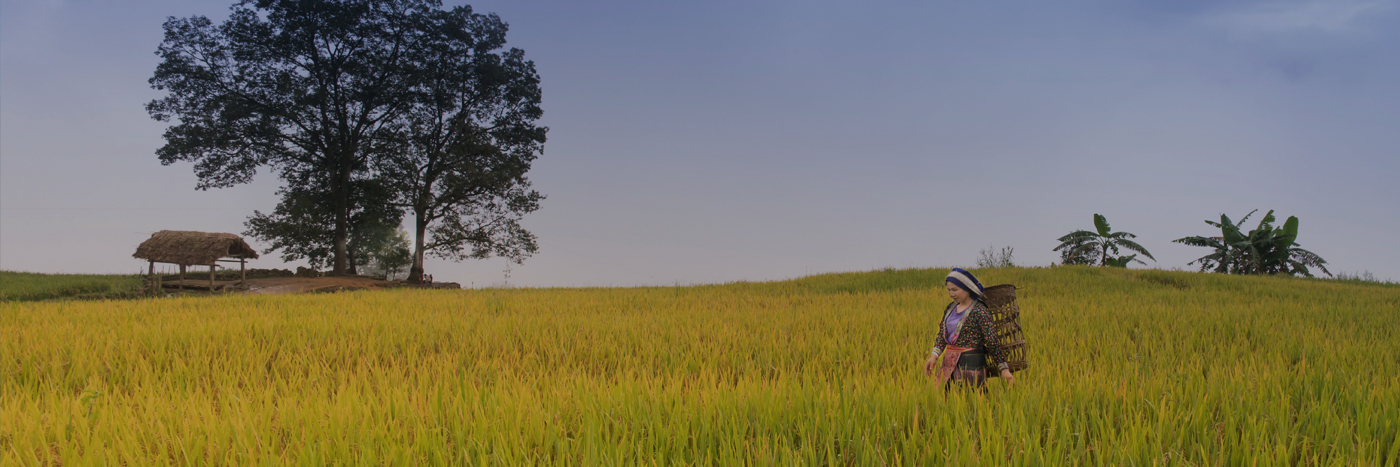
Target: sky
720,141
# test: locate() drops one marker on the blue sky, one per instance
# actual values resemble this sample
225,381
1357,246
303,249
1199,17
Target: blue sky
719,141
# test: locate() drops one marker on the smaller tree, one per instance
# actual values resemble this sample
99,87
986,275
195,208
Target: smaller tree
390,256
302,226
1074,253
1100,246
458,160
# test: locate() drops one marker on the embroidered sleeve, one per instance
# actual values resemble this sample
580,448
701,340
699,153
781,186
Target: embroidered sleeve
940,341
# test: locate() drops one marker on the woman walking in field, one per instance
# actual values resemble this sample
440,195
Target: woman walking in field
966,336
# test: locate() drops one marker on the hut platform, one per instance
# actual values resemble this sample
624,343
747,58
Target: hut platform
199,284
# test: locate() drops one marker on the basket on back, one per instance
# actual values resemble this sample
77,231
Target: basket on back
1001,302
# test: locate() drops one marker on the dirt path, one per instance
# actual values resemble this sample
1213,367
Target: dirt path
285,285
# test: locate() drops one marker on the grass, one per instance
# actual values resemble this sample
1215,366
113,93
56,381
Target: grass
24,286
1128,367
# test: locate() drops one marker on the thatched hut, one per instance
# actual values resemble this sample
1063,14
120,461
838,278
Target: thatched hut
187,248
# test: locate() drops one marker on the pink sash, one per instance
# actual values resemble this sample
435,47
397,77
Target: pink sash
950,361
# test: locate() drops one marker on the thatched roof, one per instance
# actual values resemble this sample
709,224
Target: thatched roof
187,247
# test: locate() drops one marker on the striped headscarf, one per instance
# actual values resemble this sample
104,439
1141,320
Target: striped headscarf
964,279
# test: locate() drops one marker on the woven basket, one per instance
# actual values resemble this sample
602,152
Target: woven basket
1001,302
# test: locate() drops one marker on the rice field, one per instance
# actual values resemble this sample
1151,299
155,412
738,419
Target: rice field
21,286
1128,367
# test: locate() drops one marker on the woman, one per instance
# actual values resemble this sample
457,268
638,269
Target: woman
967,336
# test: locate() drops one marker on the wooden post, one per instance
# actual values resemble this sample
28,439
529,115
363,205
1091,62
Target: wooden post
211,275
242,271
182,277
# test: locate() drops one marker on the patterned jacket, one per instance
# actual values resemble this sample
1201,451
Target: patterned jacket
978,331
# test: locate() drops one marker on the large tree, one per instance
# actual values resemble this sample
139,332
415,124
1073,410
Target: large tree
299,85
464,148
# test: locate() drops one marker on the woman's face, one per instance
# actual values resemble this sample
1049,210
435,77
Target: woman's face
956,293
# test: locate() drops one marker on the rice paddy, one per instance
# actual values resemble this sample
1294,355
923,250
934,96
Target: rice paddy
1127,367
23,286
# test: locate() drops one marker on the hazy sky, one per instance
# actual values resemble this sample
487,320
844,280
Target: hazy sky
697,142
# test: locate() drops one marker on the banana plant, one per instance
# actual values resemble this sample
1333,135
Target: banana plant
1226,258
1121,262
1094,246
1267,249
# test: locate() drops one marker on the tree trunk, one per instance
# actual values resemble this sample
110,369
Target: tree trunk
351,261
340,263
420,228
340,190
